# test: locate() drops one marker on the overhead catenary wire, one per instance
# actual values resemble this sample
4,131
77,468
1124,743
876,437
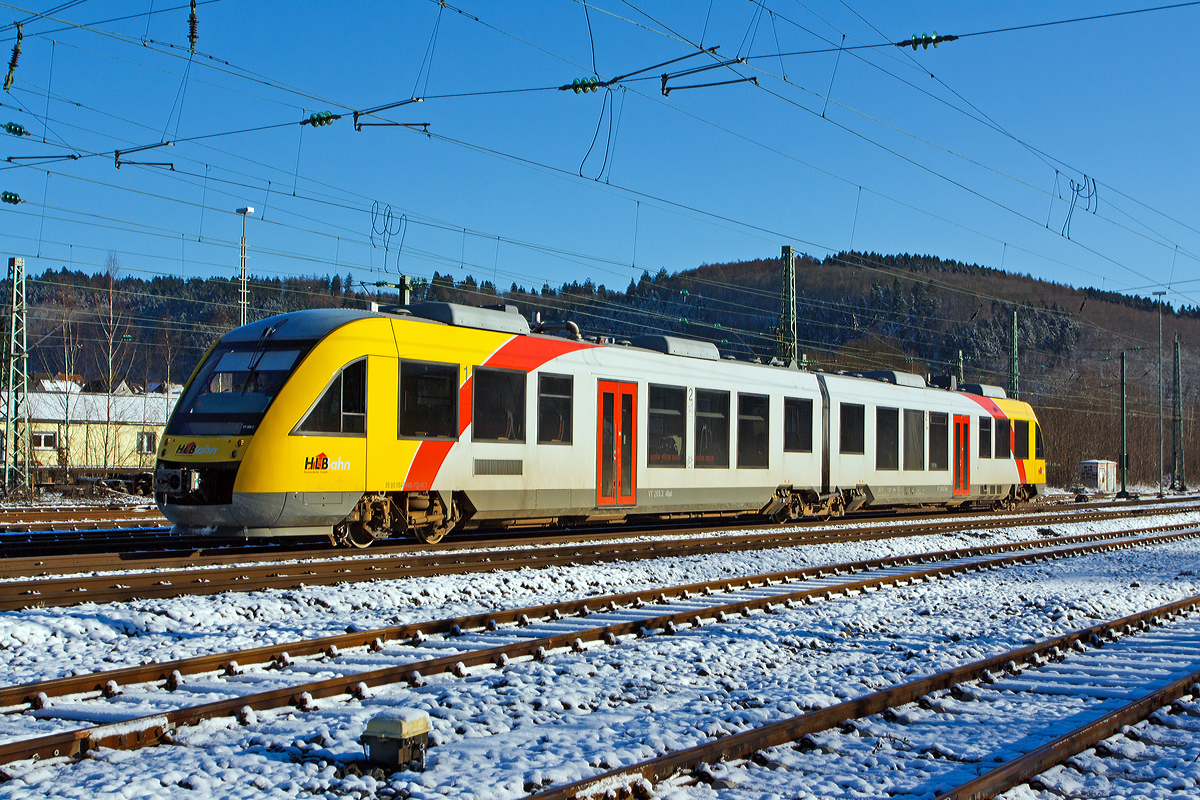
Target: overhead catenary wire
477,18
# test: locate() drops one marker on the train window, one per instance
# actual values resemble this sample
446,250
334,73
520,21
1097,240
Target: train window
887,438
797,425
1003,438
666,439
428,400
939,441
753,439
1020,438
914,439
499,405
712,428
1039,449
555,394
853,436
985,437
343,406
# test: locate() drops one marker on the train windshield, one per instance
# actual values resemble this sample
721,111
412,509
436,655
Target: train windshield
234,388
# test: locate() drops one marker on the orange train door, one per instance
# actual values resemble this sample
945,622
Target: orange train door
962,454
616,444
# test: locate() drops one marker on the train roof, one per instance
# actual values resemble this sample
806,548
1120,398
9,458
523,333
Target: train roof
318,323
315,323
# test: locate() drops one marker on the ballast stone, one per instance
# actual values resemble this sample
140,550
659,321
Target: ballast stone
397,737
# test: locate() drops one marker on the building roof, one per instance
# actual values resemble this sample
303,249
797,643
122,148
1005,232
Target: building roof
126,409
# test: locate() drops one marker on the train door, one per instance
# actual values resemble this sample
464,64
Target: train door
616,444
962,454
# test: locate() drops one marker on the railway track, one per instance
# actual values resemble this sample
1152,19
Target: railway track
76,518
929,733
46,541
148,703
31,582
115,534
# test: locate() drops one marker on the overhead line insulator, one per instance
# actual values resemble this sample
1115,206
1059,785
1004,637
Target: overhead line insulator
924,40
581,85
12,62
319,118
15,129
12,198
192,25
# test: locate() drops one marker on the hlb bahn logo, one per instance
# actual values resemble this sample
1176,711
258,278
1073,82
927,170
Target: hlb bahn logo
321,463
190,449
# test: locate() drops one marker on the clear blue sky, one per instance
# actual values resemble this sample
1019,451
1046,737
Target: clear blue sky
961,166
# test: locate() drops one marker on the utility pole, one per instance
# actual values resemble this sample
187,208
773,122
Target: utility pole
1177,480
1124,493
787,346
1159,295
1014,368
16,384
244,289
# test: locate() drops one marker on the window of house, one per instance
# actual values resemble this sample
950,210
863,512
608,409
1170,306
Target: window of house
985,437
1003,438
43,440
753,438
852,428
914,439
428,400
666,434
887,438
712,428
555,400
343,407
499,405
147,442
939,441
797,425
1020,438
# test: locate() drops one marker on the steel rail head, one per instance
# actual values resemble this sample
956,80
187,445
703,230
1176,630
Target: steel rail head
741,745
1023,768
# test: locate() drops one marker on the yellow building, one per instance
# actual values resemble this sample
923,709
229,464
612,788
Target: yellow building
91,433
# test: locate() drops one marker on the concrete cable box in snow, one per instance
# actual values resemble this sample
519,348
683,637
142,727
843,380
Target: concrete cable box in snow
397,738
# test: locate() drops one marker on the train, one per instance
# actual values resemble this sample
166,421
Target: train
415,421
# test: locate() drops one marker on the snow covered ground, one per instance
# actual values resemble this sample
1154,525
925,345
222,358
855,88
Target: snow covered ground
505,733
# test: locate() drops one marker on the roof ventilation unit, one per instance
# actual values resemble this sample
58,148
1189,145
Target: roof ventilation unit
896,378
675,346
984,390
505,320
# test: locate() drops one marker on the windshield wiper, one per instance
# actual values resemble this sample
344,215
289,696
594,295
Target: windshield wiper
260,350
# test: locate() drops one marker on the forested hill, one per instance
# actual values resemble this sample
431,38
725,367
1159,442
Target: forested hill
855,311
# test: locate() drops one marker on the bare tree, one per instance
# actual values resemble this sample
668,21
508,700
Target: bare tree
113,355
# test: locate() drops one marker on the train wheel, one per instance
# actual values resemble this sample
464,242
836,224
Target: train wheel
428,534
353,534
435,532
359,536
